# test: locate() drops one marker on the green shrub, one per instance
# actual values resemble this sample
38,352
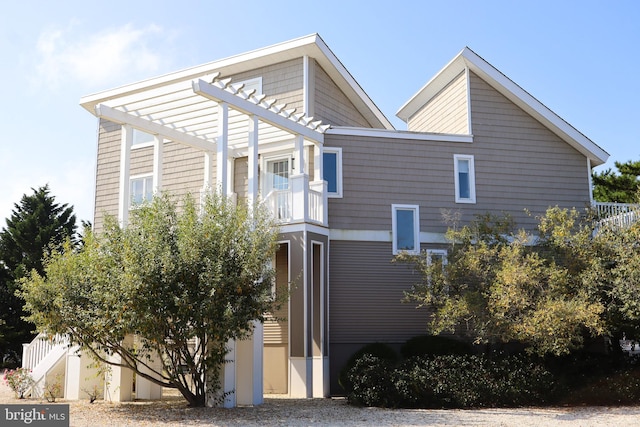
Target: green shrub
380,350
450,381
371,379
427,345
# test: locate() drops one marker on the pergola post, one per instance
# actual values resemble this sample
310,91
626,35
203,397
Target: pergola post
222,149
126,140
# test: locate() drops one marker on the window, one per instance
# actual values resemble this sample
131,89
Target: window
437,256
406,228
141,189
438,259
276,186
250,85
332,171
140,137
464,176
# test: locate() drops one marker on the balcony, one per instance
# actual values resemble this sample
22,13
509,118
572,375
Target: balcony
302,202
617,214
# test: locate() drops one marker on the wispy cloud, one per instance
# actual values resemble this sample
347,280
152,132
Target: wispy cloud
108,57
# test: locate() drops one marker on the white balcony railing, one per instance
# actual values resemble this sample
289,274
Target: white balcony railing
302,202
617,214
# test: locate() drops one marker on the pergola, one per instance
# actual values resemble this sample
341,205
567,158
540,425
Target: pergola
224,121
211,114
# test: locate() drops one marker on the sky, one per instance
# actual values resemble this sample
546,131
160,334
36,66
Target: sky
579,58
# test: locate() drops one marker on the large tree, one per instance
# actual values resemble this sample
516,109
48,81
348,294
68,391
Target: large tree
184,279
621,187
499,286
37,224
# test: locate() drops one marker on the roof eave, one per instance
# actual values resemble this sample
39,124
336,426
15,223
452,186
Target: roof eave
311,45
507,87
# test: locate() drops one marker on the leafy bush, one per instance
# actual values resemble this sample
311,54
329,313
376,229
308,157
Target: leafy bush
425,345
450,381
371,379
19,380
380,350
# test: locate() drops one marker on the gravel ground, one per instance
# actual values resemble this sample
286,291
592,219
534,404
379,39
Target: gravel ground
173,412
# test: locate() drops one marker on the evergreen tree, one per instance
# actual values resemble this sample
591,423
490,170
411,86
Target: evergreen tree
621,187
36,225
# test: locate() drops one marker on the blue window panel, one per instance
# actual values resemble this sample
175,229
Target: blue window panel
330,172
405,233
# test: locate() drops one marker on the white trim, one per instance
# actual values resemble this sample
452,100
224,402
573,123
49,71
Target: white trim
303,226
381,236
338,152
590,180
311,45
472,178
508,88
416,227
468,83
442,252
400,134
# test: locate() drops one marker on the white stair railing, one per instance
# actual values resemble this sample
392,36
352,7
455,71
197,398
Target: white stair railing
40,356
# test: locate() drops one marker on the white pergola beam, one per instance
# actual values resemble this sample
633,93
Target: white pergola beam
121,117
214,93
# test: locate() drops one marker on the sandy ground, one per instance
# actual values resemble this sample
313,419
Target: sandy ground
172,411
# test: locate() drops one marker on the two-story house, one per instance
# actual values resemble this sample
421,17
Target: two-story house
289,126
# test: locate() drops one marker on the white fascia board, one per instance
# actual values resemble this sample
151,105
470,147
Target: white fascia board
384,133
508,88
431,88
353,84
535,108
214,93
121,117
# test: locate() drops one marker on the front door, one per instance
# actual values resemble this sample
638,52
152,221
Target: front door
277,186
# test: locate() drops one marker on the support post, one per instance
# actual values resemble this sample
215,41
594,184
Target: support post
222,148
126,140
158,152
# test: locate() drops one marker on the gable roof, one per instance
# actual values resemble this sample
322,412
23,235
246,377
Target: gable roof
508,88
312,46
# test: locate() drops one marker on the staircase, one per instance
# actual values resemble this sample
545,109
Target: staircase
42,356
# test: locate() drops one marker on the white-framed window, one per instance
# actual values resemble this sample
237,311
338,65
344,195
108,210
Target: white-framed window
141,139
405,221
250,85
276,184
332,170
437,255
141,189
464,177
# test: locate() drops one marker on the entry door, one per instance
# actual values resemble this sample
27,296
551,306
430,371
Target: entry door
278,172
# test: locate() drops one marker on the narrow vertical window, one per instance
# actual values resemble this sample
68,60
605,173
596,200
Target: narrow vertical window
406,228
464,177
332,170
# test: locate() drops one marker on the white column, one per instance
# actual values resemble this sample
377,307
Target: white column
124,184
222,146
146,389
158,152
252,191
317,162
119,380
83,377
249,367
229,377
299,150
